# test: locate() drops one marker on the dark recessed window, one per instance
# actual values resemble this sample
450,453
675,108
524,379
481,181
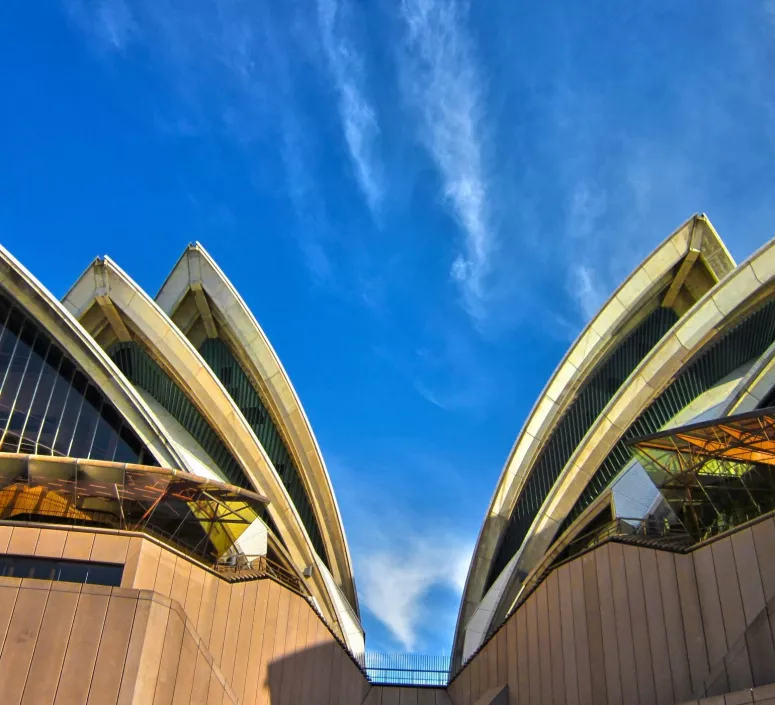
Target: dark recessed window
61,570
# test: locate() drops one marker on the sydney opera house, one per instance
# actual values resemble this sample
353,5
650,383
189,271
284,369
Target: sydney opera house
169,533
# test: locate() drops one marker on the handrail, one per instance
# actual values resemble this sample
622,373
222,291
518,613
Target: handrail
405,669
245,567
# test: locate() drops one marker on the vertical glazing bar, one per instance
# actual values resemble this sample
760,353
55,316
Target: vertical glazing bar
43,367
98,410
64,407
55,373
77,418
21,384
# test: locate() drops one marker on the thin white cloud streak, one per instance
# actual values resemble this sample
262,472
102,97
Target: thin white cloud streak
410,559
357,114
395,579
443,85
586,282
587,289
610,226
111,21
233,64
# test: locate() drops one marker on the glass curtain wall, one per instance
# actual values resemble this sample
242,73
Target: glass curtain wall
238,385
50,407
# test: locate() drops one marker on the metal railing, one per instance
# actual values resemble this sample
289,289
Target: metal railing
241,567
405,669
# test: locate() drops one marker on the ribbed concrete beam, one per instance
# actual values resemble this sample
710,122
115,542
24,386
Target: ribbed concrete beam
644,289
167,344
197,272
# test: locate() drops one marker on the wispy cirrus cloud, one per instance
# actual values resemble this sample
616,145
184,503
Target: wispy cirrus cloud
111,21
587,289
233,67
356,112
443,84
410,559
394,579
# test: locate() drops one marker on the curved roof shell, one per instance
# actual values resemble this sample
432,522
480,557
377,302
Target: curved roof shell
203,303
57,320
754,388
114,309
678,273
722,311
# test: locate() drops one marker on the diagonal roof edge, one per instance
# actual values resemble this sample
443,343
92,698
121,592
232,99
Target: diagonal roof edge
59,322
754,385
266,370
716,311
193,375
646,281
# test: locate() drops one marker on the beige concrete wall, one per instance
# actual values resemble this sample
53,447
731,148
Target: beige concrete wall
70,644
399,695
263,636
625,624
200,639
750,696
620,624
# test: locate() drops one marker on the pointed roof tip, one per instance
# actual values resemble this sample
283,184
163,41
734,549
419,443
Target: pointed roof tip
258,349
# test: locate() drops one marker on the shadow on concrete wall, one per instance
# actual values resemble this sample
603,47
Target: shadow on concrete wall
320,674
326,675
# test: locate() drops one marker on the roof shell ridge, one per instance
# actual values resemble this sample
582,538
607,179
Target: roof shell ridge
74,328
278,369
569,374
652,377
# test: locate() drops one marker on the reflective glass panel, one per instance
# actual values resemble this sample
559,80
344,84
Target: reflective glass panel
48,406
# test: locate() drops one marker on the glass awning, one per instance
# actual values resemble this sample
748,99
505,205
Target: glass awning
196,515
714,474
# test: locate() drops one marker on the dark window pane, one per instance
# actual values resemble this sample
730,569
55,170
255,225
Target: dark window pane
61,570
26,393
37,414
50,426
47,405
105,440
87,422
68,421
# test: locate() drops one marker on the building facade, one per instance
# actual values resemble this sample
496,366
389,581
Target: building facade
131,424
593,579
169,533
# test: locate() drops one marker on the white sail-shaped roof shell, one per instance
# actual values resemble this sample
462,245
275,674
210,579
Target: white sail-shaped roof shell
213,300
63,327
106,297
661,280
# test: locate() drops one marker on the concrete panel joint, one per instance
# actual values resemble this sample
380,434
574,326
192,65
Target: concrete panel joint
495,696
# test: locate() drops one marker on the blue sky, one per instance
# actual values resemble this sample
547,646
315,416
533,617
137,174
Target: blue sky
422,201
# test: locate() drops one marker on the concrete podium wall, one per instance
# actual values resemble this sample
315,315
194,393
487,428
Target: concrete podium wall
623,625
172,633
68,644
400,695
619,624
